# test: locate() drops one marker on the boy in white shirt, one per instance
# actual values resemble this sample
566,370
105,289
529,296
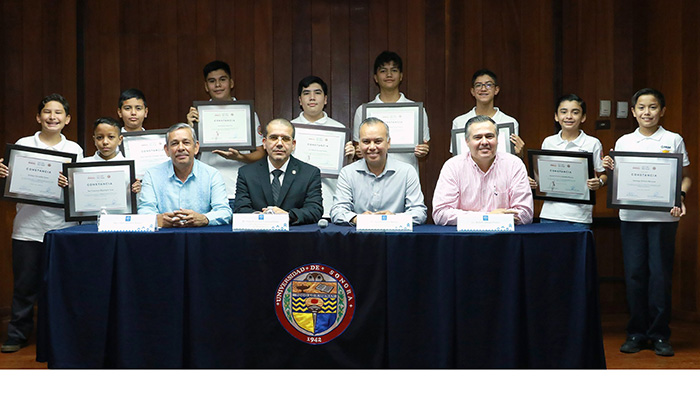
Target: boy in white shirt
484,89
132,109
313,97
649,237
33,221
570,114
388,74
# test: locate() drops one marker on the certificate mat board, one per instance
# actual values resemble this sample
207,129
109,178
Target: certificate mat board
562,176
322,147
226,124
33,177
505,130
405,121
96,185
146,148
645,181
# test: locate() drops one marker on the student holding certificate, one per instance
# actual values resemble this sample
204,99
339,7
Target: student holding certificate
649,237
388,74
33,221
570,114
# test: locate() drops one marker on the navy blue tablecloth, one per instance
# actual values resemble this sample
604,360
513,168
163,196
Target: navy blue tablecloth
434,298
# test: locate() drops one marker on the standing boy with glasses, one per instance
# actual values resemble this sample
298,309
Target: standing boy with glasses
484,90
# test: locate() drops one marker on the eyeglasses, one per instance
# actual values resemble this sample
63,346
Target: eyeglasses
487,85
275,137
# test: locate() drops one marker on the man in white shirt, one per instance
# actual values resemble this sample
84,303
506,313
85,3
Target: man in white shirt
377,184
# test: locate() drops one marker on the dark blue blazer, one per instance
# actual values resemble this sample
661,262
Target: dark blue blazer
300,194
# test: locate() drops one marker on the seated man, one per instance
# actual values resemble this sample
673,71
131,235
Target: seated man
184,192
482,180
281,183
378,183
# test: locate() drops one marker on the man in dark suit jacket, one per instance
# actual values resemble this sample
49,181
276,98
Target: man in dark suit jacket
281,183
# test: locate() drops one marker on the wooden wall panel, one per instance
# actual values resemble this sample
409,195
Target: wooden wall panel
39,58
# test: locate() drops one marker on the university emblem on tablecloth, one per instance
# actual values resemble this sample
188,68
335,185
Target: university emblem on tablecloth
315,303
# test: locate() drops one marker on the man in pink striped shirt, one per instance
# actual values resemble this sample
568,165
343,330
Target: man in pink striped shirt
482,180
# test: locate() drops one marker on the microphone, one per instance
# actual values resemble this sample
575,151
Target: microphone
323,223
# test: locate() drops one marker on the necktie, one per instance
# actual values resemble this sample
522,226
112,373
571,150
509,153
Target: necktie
276,185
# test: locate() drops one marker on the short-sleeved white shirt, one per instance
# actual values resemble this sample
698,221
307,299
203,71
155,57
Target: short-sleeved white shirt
229,168
662,141
407,157
499,117
328,185
572,212
32,221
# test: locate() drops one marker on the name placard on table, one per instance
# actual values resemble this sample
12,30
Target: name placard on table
484,222
385,222
127,223
260,221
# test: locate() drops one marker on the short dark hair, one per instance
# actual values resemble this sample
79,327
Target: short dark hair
485,72
574,98
308,81
106,120
54,97
478,119
216,65
649,91
387,57
282,121
131,93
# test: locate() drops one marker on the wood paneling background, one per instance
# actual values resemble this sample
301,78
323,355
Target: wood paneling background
90,51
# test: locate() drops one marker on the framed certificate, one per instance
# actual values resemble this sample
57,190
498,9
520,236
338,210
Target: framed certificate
33,176
405,121
323,147
145,148
459,144
645,181
93,186
562,176
224,124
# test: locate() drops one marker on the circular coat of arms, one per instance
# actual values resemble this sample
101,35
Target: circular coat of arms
314,303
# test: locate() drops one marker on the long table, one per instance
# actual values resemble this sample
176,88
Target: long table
433,298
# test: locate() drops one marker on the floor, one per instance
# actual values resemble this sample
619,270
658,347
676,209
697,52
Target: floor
685,340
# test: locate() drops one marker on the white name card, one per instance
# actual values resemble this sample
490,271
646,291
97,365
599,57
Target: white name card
484,222
385,222
251,221
127,223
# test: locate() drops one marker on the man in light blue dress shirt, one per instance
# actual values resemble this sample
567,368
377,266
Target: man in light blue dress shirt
377,184
184,192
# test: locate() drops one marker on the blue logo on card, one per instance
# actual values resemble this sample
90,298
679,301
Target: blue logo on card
261,217
486,218
383,216
128,218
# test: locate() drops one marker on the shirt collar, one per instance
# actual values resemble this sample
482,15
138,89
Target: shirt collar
402,98
271,168
193,173
577,141
389,167
320,121
471,160
41,145
658,134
